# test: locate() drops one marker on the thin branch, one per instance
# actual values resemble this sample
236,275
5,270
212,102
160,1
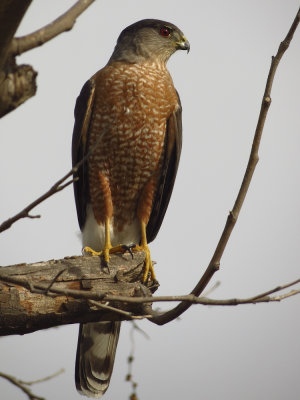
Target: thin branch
23,385
58,186
47,378
61,24
95,296
233,215
125,314
192,299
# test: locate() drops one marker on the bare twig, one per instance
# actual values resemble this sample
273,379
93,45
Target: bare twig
57,187
47,378
126,314
131,358
253,159
23,385
192,299
61,24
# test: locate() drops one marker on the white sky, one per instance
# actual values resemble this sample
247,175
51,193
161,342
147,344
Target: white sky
211,353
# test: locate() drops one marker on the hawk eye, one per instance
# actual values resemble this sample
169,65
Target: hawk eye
165,31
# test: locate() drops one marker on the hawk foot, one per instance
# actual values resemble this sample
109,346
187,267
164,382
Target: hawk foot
107,251
148,267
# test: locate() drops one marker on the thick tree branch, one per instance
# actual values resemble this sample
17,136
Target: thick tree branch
17,83
253,159
61,24
41,295
11,14
81,289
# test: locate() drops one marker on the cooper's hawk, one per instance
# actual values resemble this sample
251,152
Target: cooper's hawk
128,116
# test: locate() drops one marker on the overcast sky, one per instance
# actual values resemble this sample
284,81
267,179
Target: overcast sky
211,353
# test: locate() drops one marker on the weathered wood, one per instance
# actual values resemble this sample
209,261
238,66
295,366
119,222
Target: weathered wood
25,307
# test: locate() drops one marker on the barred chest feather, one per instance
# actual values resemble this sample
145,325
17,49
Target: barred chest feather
132,105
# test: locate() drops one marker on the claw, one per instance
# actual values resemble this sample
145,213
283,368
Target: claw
89,250
128,248
148,267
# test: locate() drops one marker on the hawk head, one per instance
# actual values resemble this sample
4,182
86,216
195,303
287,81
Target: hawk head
149,40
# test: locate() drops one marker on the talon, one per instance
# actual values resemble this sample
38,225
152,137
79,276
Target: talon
148,267
128,248
88,249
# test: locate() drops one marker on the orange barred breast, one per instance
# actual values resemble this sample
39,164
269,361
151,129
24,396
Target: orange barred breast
132,105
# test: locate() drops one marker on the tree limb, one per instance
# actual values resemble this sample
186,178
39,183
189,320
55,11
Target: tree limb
61,24
18,82
45,294
81,289
11,14
253,159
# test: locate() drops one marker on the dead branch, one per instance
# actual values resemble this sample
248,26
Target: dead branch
81,289
11,14
45,294
61,184
23,385
61,24
57,187
18,82
214,264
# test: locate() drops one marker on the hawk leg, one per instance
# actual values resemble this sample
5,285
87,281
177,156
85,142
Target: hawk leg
144,247
108,249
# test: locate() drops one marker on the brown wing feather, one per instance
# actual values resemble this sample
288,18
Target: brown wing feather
173,143
83,111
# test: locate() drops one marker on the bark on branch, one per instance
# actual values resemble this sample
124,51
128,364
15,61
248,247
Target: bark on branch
81,289
17,83
37,296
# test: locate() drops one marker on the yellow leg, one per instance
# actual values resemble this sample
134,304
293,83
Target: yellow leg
144,247
108,249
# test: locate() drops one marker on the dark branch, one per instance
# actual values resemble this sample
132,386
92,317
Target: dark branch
11,14
57,187
62,24
23,385
76,289
45,294
18,82
233,215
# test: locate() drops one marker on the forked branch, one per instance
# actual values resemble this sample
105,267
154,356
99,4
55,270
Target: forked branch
253,159
61,24
81,289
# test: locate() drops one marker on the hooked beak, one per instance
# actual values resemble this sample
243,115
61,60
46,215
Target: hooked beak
183,44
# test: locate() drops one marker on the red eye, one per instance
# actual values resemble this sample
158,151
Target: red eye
164,31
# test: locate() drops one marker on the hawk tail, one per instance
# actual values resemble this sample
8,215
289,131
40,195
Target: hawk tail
96,349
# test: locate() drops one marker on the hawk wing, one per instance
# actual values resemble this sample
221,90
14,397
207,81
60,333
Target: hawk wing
83,111
173,144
